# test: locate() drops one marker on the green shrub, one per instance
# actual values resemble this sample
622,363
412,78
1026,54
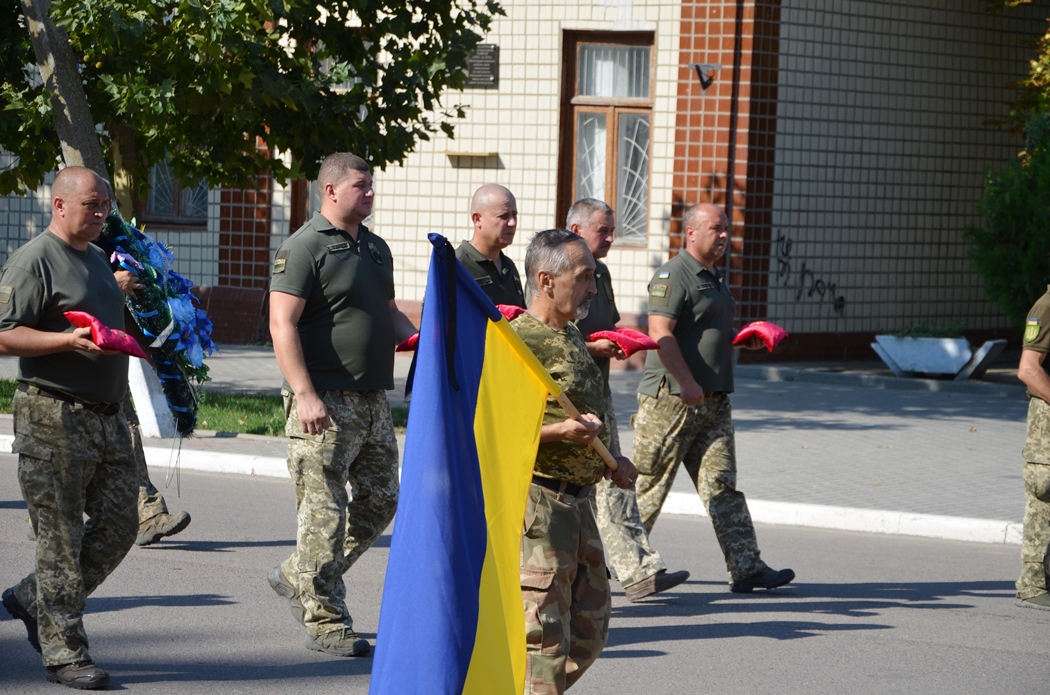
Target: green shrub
1012,250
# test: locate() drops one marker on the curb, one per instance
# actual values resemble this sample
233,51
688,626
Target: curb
758,372
952,528
682,503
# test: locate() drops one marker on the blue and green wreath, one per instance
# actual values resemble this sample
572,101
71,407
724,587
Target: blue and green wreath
166,312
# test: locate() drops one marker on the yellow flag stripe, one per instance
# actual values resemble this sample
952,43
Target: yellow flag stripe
511,401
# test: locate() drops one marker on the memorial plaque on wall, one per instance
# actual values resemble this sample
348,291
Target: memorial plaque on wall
483,67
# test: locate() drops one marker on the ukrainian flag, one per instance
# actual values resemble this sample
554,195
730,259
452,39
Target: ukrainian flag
452,620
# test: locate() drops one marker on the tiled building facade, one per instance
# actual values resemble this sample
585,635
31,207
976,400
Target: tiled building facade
848,140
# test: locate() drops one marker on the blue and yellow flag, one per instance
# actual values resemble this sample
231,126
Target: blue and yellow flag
452,620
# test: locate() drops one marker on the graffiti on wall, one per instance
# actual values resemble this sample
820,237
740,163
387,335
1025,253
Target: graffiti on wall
793,274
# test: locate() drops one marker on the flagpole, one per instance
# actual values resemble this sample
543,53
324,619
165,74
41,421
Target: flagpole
596,443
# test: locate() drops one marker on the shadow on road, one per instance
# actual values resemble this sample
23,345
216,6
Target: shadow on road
846,600
121,603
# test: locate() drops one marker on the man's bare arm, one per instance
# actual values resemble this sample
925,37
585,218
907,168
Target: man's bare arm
285,311
23,341
1033,375
403,327
661,329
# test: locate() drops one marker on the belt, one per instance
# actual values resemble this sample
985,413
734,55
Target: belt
100,408
715,394
560,486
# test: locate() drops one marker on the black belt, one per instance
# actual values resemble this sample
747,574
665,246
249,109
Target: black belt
100,408
560,486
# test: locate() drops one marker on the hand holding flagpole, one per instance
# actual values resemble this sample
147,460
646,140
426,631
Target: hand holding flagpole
596,443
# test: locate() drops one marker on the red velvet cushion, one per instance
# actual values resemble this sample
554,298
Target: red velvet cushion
770,333
629,341
408,344
105,337
510,311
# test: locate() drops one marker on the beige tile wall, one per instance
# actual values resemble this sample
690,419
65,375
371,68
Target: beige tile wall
881,154
519,121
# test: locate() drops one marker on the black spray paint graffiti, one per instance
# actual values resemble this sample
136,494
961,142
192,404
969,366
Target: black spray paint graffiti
804,281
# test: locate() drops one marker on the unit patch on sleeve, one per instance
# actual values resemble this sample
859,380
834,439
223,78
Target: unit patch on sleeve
658,294
5,293
279,261
1031,330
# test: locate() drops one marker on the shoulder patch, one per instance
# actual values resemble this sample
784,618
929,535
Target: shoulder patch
372,249
664,274
1031,329
279,261
6,292
658,294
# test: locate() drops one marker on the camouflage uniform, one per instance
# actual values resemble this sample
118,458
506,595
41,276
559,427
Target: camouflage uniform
1035,546
333,529
151,502
667,432
701,436
626,540
75,455
72,463
564,580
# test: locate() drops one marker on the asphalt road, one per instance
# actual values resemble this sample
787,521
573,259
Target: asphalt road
867,614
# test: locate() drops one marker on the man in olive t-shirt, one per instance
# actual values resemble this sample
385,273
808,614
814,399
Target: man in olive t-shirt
1035,545
494,214
684,412
75,457
334,325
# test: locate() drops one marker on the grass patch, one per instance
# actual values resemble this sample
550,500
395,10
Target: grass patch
228,412
241,413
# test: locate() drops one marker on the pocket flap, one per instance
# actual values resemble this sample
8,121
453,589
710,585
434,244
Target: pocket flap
535,579
31,446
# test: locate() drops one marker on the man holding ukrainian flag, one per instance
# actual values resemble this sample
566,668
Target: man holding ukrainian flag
460,566
564,580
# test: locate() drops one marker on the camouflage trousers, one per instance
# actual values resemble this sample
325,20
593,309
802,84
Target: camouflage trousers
625,537
1035,546
151,502
72,463
565,590
335,528
667,432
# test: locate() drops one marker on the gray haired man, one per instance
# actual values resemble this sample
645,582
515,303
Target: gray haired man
639,568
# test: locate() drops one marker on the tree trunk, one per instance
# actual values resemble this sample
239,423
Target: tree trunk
125,182
69,105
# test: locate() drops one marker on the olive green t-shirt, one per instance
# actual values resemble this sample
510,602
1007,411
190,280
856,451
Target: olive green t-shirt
565,356
346,328
502,286
703,308
1037,331
602,315
45,278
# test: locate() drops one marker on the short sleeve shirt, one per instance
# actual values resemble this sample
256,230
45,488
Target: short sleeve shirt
564,354
703,308
346,328
45,278
502,286
602,315
1037,330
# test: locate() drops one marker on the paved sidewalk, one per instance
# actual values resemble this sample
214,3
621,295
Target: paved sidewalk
856,449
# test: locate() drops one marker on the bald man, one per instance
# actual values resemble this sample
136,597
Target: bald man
494,214
684,412
74,446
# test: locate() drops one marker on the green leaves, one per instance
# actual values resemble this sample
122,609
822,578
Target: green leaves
199,80
1011,251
